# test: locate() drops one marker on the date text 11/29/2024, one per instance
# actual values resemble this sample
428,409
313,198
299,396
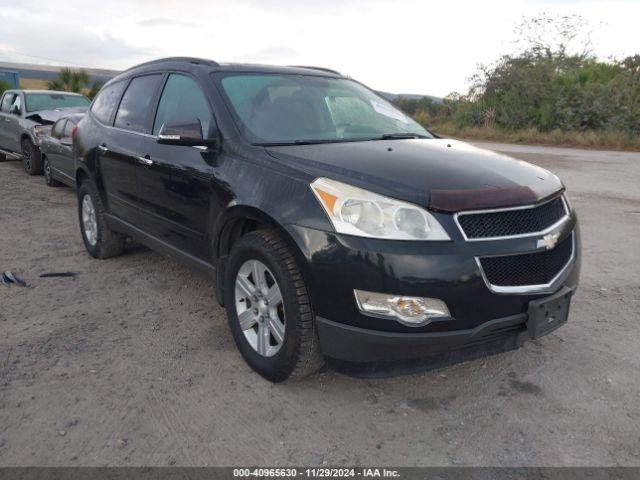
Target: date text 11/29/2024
316,472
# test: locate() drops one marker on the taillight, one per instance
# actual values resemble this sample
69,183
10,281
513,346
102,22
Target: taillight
74,131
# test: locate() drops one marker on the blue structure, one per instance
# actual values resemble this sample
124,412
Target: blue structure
11,77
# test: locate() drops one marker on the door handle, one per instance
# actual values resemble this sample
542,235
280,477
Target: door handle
102,149
146,160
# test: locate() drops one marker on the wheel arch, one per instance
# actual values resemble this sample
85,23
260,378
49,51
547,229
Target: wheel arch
81,175
25,136
238,221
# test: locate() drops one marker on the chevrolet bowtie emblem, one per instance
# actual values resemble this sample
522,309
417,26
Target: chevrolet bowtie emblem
548,241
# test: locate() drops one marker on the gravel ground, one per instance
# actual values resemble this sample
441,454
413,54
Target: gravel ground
132,363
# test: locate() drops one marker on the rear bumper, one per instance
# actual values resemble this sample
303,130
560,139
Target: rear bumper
355,344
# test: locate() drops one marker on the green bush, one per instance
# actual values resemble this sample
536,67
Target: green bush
4,86
544,89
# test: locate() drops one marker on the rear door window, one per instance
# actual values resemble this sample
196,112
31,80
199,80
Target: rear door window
133,111
106,102
183,100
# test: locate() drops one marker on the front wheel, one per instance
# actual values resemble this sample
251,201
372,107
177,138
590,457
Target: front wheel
31,159
269,309
99,240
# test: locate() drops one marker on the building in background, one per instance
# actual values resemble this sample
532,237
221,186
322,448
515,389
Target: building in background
37,76
10,77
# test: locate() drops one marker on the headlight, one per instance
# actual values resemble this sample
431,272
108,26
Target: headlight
355,211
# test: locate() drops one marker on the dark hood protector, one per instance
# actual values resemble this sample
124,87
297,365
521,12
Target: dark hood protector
443,175
482,198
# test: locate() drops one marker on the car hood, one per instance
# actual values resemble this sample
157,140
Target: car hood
441,174
48,117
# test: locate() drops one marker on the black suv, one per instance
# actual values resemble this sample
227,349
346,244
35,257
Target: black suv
334,224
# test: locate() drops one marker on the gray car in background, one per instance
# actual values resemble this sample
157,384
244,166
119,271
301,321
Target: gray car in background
56,150
25,115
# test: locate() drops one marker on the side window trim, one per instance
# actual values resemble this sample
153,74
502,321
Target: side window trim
156,104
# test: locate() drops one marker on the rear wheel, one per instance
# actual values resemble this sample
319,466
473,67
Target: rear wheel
99,240
48,174
269,309
31,159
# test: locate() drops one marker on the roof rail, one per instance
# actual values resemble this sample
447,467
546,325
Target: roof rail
322,69
176,59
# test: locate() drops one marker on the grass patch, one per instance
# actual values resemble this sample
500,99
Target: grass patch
603,140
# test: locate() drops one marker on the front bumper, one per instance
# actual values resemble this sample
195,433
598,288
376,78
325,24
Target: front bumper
345,342
336,264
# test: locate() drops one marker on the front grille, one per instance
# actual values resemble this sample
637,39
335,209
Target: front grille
517,221
538,268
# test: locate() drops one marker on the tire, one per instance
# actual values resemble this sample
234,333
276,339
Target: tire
102,242
31,159
298,353
48,174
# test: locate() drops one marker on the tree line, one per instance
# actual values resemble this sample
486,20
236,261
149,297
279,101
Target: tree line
546,87
68,80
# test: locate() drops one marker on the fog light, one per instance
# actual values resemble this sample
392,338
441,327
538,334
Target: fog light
413,311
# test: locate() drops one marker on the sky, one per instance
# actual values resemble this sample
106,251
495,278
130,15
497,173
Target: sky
402,46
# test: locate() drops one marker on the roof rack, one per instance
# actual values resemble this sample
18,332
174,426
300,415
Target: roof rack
322,69
193,60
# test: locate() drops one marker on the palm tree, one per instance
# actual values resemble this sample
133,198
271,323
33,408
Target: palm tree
69,81
4,86
95,88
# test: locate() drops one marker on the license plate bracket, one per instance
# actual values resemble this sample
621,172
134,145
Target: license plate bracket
548,313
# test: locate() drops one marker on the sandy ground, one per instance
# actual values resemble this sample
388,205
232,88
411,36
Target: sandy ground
132,362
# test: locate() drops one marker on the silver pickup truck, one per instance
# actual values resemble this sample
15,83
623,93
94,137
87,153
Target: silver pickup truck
25,114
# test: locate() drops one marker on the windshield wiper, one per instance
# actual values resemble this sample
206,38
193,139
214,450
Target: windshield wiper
317,141
311,142
400,136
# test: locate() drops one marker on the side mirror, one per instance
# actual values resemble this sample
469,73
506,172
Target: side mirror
15,110
186,133
66,141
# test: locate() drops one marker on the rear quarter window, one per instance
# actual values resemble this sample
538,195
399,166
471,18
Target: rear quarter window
106,102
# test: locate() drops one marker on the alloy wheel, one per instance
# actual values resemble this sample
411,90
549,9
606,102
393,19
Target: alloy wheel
47,170
26,153
89,221
260,308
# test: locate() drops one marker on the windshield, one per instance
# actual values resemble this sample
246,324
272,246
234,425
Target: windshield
283,109
51,101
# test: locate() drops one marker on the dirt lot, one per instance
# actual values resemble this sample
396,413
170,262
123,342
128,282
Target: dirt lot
132,363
